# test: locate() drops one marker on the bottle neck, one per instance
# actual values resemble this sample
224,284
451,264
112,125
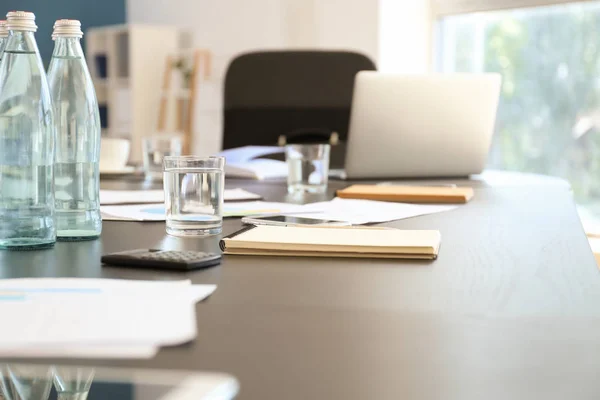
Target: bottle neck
67,47
21,42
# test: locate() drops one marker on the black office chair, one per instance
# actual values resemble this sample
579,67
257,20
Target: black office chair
281,93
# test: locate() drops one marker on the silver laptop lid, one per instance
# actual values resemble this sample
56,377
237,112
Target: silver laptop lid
431,125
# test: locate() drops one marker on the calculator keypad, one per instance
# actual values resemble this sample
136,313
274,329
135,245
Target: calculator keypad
177,256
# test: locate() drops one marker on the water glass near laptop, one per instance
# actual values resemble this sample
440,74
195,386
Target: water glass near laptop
155,149
308,167
194,188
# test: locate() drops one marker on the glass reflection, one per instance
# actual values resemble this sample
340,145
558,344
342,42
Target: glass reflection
45,382
25,382
73,383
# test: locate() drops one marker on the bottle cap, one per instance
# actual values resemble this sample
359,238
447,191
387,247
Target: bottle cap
3,29
67,28
21,21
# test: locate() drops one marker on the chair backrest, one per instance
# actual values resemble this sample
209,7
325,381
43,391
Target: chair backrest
268,94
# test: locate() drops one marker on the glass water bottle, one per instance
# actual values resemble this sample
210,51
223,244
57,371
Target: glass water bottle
77,119
26,141
3,37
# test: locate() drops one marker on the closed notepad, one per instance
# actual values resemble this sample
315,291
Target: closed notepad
334,242
408,194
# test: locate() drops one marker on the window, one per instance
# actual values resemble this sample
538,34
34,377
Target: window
549,113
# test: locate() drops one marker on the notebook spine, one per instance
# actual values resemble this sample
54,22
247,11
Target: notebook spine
234,234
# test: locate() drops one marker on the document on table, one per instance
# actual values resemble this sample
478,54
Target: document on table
244,162
247,153
113,197
359,212
156,212
131,196
356,212
257,169
70,317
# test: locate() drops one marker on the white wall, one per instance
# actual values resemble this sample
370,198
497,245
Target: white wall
405,36
229,27
396,34
349,24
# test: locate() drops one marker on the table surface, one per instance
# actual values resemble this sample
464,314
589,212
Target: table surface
510,309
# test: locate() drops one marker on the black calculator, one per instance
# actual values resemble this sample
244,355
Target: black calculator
163,259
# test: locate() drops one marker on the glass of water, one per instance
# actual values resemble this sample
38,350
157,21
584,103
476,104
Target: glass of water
308,167
194,195
73,383
155,149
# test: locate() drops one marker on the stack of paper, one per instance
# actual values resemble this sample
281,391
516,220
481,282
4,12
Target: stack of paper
69,317
244,162
156,212
109,197
356,212
359,212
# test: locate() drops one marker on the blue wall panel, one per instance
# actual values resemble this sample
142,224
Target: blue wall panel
90,12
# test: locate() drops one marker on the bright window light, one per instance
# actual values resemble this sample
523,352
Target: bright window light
549,114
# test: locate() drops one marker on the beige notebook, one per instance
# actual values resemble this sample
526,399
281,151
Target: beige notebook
333,242
408,194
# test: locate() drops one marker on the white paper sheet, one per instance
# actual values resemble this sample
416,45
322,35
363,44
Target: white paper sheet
70,317
156,212
243,162
257,169
131,196
359,212
239,194
97,351
114,197
247,153
133,212
246,208
51,285
85,319
356,212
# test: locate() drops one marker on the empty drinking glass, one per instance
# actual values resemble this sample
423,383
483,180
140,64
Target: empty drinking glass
155,149
308,167
194,195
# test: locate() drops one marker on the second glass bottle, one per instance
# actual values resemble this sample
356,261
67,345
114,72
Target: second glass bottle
77,119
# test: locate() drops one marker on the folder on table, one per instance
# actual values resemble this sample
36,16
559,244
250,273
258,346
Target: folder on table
333,242
408,194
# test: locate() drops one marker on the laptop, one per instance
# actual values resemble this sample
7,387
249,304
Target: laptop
420,126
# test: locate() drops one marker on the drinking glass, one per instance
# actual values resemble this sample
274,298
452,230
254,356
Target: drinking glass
155,149
194,195
308,167
73,383
25,382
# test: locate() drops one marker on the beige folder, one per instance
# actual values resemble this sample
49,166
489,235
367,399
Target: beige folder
408,194
336,242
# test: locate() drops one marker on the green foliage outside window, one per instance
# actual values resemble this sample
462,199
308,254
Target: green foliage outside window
549,114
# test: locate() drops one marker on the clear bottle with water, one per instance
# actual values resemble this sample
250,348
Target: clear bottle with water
3,37
26,141
77,119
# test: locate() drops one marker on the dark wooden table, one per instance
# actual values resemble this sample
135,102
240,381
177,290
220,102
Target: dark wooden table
510,310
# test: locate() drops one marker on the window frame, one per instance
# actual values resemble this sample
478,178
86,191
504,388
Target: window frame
444,8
